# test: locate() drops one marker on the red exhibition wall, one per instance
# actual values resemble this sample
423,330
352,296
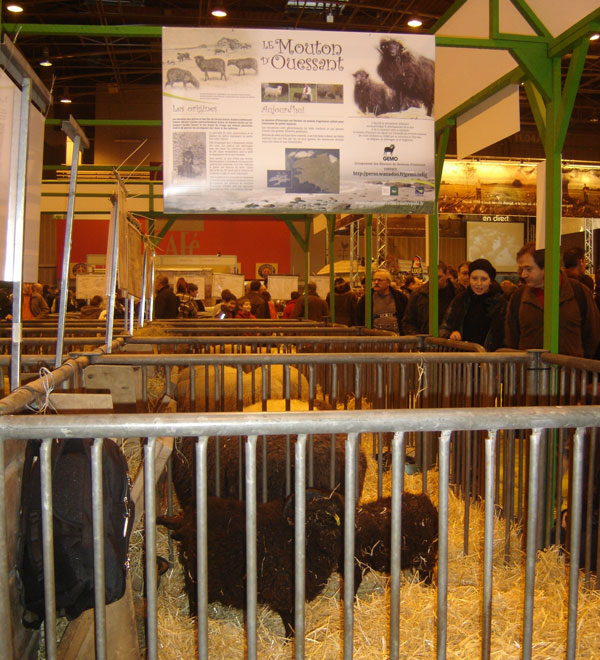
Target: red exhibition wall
252,239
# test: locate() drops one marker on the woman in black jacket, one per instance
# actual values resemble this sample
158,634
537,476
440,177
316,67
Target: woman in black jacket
477,313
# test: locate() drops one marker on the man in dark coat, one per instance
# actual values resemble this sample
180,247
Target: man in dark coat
345,302
317,307
387,304
579,319
260,307
166,302
574,262
416,316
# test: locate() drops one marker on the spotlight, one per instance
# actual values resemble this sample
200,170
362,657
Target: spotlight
16,9
65,97
415,22
219,11
595,37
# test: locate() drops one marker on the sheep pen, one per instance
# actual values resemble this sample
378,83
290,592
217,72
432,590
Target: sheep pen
177,631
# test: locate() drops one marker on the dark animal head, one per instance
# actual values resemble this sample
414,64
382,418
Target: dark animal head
175,523
199,59
390,48
323,508
361,77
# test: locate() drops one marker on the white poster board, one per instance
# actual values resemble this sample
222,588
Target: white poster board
322,282
88,286
298,121
235,283
198,277
281,286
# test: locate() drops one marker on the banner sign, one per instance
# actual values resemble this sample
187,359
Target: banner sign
486,188
282,121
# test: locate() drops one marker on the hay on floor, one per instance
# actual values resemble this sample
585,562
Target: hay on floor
324,616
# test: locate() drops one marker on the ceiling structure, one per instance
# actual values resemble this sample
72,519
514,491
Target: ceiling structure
92,61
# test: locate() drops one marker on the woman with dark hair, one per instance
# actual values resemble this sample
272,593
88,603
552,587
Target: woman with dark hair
187,306
477,313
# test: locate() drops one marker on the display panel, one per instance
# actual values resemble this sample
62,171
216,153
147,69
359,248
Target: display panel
278,121
498,242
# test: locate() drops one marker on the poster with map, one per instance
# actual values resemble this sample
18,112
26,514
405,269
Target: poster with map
278,121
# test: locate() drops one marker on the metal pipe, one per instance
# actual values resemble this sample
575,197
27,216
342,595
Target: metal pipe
251,561
6,647
48,547
202,545
349,527
98,543
442,593
16,222
488,546
398,449
532,503
299,543
575,508
150,529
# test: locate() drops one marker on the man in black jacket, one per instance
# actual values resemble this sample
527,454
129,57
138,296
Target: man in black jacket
387,304
166,302
260,307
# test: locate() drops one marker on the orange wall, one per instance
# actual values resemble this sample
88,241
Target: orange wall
253,240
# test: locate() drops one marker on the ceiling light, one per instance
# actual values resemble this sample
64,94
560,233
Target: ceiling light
16,9
45,61
65,98
595,37
329,17
415,22
219,11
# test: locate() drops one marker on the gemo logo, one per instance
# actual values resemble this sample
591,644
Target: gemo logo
395,158
388,152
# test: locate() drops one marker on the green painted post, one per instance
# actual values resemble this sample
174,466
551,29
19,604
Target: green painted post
434,232
307,226
331,235
368,270
553,213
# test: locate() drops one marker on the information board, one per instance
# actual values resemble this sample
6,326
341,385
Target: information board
281,286
280,121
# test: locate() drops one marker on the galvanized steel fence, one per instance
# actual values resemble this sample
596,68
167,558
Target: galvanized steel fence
443,423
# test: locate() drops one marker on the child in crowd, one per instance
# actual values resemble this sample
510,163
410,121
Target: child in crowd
245,309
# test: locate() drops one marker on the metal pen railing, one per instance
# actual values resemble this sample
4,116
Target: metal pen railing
442,422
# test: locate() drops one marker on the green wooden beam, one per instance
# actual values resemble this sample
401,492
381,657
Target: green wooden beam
566,41
536,102
576,66
448,14
529,15
494,20
485,44
533,60
553,212
440,157
294,232
511,78
131,31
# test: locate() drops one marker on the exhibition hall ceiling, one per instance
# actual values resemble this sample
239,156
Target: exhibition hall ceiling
86,64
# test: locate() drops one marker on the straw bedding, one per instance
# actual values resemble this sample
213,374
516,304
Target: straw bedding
324,616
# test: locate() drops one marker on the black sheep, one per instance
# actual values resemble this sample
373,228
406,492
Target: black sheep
184,474
372,96
226,543
373,536
411,78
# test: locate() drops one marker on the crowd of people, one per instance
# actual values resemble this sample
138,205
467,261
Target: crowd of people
472,305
